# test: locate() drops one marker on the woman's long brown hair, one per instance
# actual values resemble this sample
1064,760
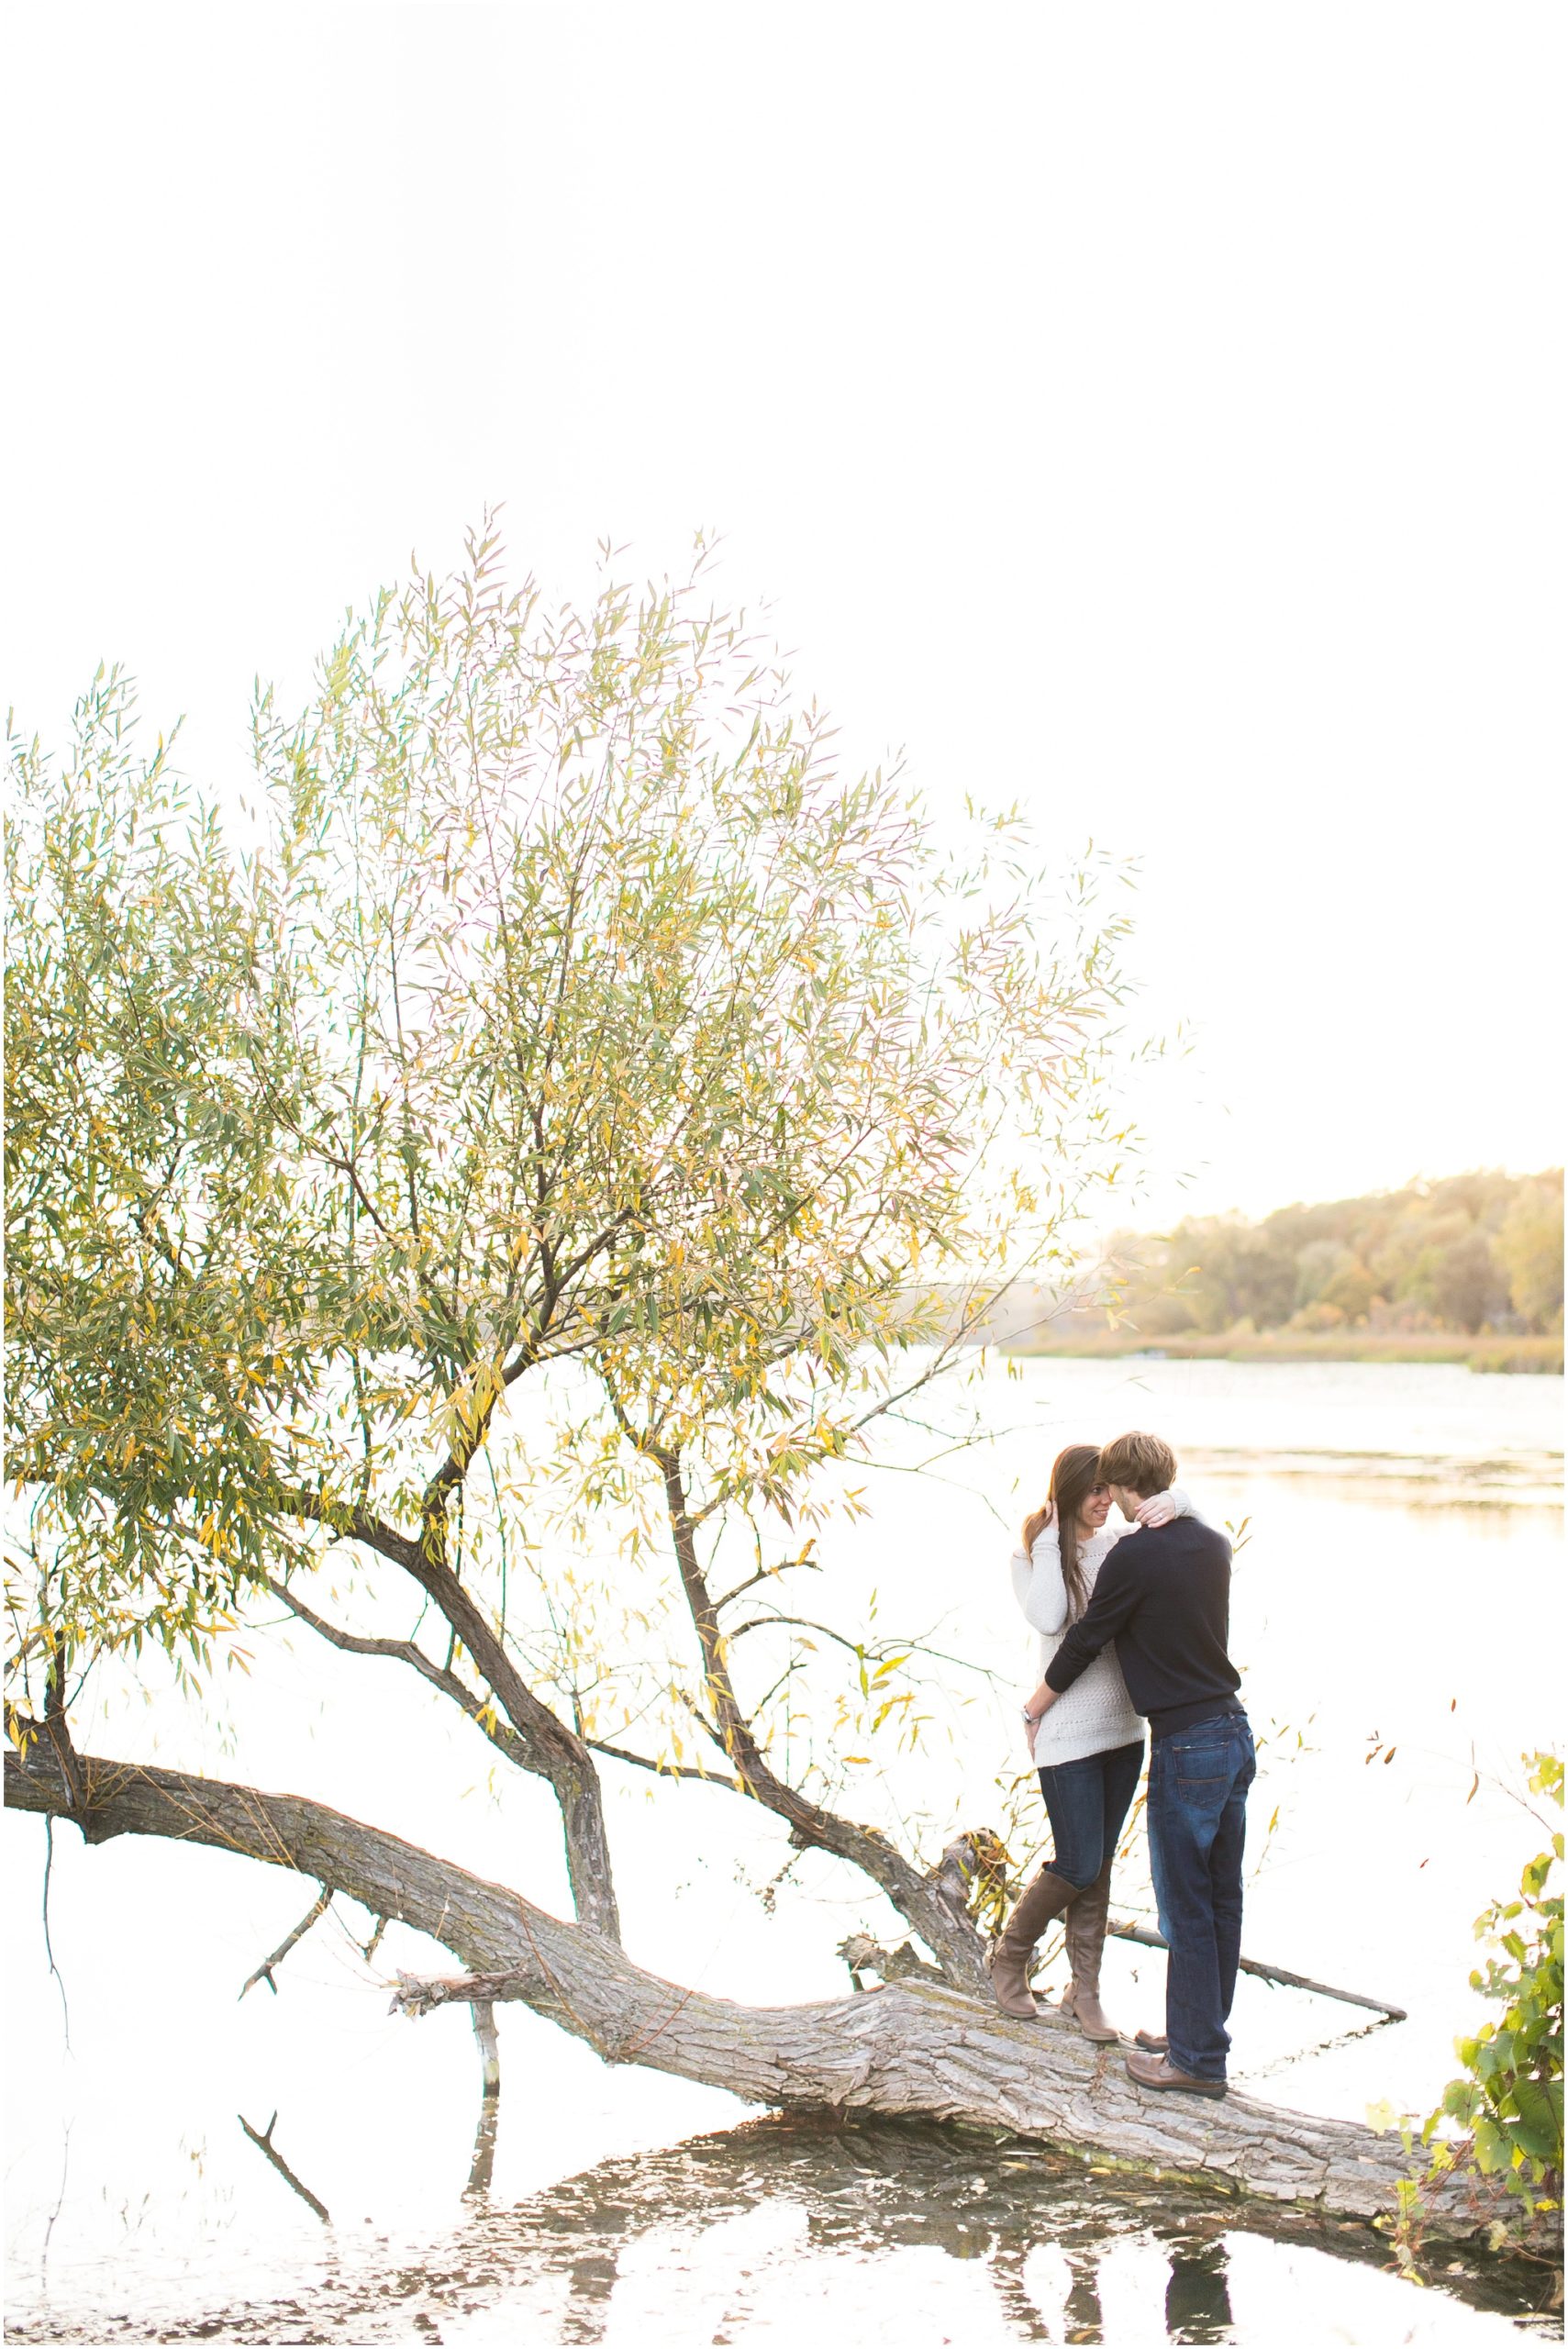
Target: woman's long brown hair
1073,1475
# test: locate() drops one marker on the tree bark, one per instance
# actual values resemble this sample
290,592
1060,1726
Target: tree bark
911,2049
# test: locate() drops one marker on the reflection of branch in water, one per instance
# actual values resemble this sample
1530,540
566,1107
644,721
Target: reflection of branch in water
483,2167
58,2206
262,2140
484,2162
1305,2055
264,1971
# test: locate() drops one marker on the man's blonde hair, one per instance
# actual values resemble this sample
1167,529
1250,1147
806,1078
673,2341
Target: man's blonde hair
1143,1464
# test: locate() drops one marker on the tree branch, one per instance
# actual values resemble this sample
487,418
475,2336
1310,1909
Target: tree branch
669,1769
58,1728
542,1744
398,1650
264,1971
500,1733
947,1930
868,1651
1146,1939
766,1574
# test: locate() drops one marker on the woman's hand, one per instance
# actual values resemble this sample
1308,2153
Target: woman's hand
1039,1705
1158,1509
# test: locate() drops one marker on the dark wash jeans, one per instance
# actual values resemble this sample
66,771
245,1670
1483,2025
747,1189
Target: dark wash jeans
1086,1802
1198,1779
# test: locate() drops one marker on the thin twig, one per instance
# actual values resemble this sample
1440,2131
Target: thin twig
663,1769
766,1574
1150,1939
264,1971
868,1651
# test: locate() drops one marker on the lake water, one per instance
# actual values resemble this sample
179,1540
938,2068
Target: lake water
1399,1598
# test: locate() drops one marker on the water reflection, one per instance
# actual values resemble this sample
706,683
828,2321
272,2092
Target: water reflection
1197,2298
262,2140
757,2234
481,2169
771,2227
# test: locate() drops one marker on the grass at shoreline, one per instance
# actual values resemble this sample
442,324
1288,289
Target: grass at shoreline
1543,1355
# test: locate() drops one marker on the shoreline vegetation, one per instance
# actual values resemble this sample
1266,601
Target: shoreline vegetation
1487,1352
1467,1269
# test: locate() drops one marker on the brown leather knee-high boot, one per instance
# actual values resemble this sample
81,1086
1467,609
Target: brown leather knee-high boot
1009,1962
1085,1927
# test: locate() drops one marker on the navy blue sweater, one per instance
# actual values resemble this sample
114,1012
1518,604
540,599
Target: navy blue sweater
1164,1595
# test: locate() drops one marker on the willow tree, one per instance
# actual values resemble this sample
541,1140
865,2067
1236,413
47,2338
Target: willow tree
558,1003
562,1099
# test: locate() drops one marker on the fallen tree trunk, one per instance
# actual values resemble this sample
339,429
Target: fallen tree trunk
907,2049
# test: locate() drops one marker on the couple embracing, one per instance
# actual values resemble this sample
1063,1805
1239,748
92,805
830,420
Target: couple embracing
1133,1621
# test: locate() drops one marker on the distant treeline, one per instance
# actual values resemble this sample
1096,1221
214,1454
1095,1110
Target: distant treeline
1472,1252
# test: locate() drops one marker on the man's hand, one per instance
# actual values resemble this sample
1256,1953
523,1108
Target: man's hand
1158,1509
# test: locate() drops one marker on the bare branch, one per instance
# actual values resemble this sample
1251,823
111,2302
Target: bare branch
670,1769
398,1651
264,1971
948,1932
479,1709
867,1651
1147,1938
536,1741
766,1574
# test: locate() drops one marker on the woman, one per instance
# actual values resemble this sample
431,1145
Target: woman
1088,1748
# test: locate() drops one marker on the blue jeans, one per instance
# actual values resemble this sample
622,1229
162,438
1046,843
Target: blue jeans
1198,1779
1086,1802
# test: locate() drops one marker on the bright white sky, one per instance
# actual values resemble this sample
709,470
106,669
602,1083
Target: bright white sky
1152,413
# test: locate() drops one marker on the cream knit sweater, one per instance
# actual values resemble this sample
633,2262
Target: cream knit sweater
1095,1714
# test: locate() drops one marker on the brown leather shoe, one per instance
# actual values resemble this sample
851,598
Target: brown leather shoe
1008,1964
1154,2039
1085,1927
1154,2072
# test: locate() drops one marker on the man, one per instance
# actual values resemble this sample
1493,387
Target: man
1164,1595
